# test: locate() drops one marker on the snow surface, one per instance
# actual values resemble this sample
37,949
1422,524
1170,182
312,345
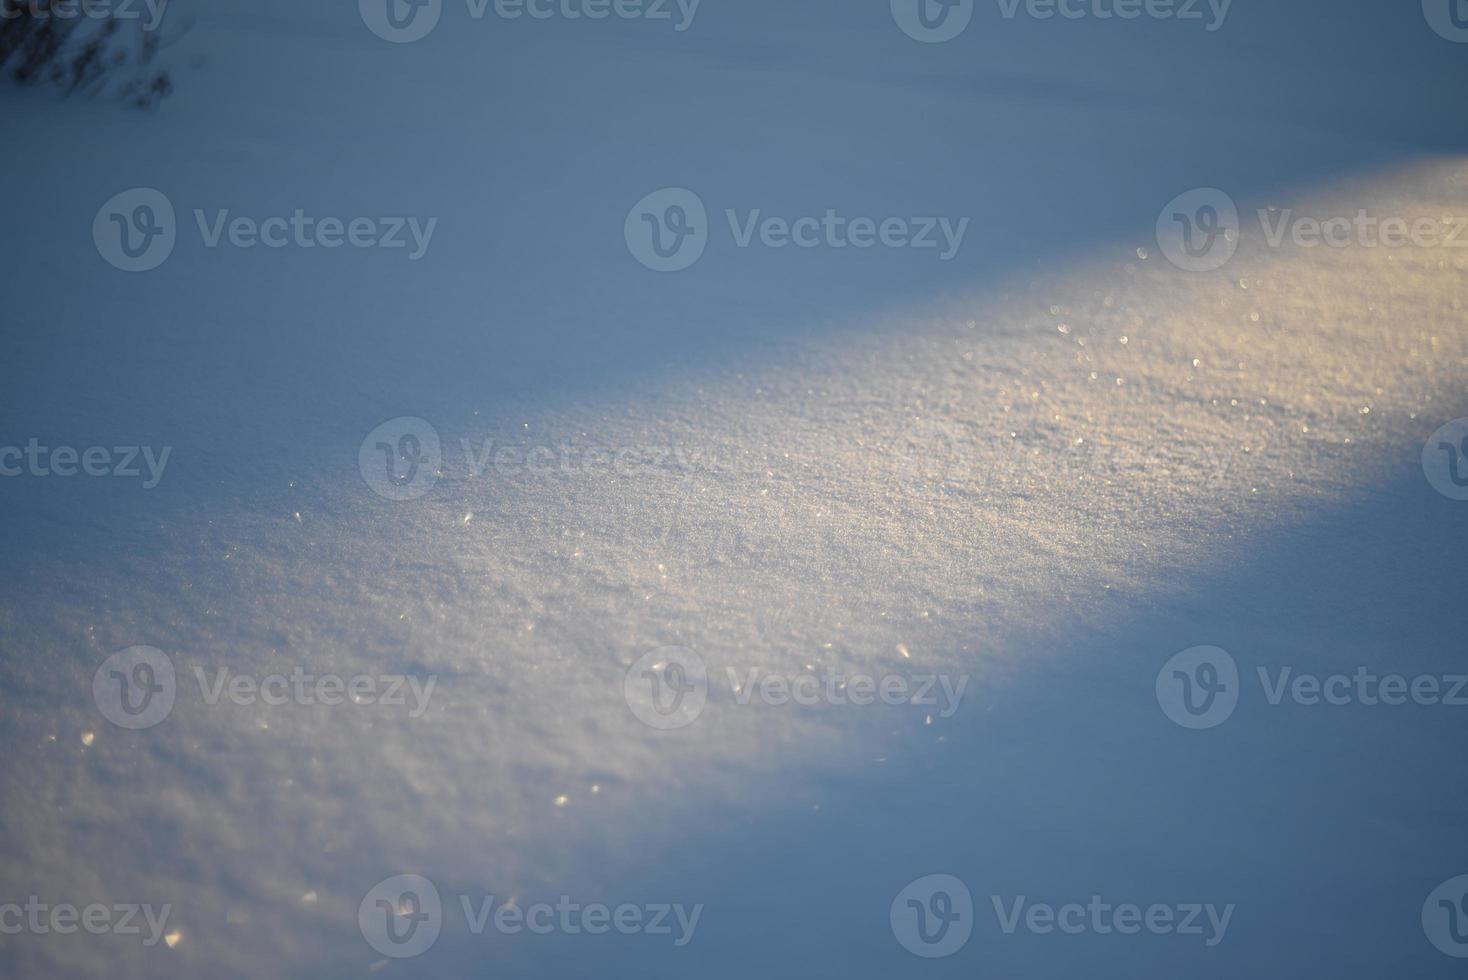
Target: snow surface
1050,464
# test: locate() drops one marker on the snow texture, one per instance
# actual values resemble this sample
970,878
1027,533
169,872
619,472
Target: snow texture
1049,464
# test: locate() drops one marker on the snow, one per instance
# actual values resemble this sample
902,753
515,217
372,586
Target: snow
1047,466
